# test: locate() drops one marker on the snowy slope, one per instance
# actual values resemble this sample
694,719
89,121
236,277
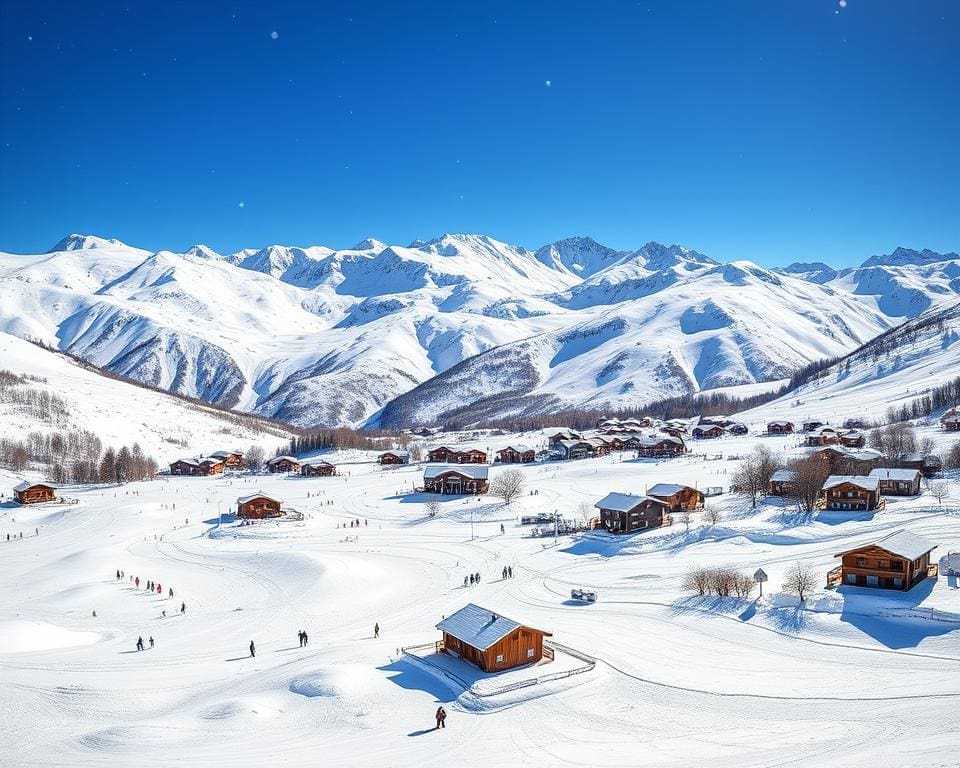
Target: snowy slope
320,336
120,413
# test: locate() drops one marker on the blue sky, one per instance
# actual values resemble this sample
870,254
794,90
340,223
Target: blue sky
774,131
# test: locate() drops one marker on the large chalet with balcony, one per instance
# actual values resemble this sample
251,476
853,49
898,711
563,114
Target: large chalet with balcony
851,493
900,560
626,512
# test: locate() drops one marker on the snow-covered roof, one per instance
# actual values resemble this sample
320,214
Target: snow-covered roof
667,489
277,459
622,502
473,471
225,454
861,481
252,496
779,423
398,454
478,627
201,460
884,473
26,486
572,443
707,427
901,543
783,476
315,463
518,447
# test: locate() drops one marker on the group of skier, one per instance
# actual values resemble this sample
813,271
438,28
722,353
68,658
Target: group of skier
150,586
472,579
508,572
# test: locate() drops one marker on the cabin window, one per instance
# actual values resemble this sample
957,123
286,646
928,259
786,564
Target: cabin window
861,562
884,563
500,659
530,653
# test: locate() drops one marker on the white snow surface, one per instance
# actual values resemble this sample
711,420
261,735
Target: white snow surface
855,678
319,336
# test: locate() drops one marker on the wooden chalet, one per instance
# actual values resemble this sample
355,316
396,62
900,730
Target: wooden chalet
927,465
283,464
737,428
657,446
575,449
456,479
900,560
674,430
822,436
601,446
317,468
950,421
677,497
811,424
230,459
34,493
897,482
203,466
626,513
490,641
516,454
851,493
394,457
853,438
780,428
781,482
257,506
707,431
848,460
557,435
445,455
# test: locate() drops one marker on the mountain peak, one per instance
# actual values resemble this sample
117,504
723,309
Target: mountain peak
203,252
369,244
77,242
580,255
908,256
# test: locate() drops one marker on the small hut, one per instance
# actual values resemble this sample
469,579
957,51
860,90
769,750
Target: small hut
394,457
258,506
317,468
283,464
34,493
490,641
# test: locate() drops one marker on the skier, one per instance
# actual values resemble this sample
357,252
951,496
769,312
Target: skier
159,589
139,643
478,578
183,607
305,638
376,630
118,574
253,649
466,580
441,717
94,614
510,571
171,592
472,580
502,529
504,572
137,582
151,641
300,637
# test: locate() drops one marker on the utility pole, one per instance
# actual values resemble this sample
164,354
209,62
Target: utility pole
556,524
219,515
471,523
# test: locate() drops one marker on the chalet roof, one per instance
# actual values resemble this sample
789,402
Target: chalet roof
861,481
661,490
901,543
779,423
648,440
398,454
258,495
885,473
200,460
225,454
707,427
783,476
573,443
518,447
278,459
623,502
478,627
473,471
315,463
24,486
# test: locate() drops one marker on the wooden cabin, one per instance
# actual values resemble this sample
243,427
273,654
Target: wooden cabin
516,454
951,423
317,469
737,428
781,482
707,431
677,497
34,493
575,449
394,457
849,461
853,438
811,424
822,436
283,464
900,560
455,480
557,435
897,482
257,506
445,455
626,513
230,459
490,641
658,446
927,465
674,430
780,428
601,446
851,493
203,466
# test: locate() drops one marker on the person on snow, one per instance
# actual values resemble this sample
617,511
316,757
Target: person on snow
472,580
159,589
305,638
510,571
300,637
376,630
118,574
253,649
478,578
441,717
139,643
151,641
171,591
504,572
137,582
183,607
466,580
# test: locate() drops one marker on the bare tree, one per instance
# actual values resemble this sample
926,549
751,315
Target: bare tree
800,580
686,518
752,477
254,457
939,490
433,507
697,580
587,512
810,473
507,485
712,515
894,441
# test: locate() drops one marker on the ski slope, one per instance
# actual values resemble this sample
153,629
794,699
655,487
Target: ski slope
856,678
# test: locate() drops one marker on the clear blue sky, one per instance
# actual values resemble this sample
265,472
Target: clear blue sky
775,131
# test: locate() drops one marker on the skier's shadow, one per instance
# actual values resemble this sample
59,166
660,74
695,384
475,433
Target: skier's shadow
239,658
421,732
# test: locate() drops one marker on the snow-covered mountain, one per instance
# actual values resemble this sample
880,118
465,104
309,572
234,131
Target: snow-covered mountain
320,336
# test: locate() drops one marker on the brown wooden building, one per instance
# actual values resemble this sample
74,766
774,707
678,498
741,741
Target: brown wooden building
900,560
556,435
257,506
927,464
822,436
317,469
851,493
203,466
34,493
849,461
490,641
853,438
394,457
626,513
780,428
283,464
677,497
897,482
781,482
951,420
516,454
707,431
450,479
657,446
444,455
230,459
